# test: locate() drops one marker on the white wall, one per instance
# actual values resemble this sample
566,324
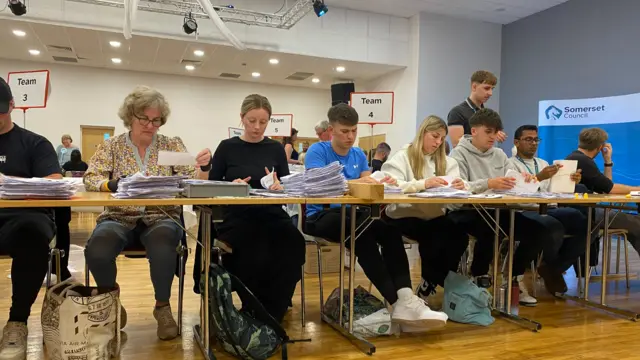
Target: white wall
404,84
451,50
340,34
202,109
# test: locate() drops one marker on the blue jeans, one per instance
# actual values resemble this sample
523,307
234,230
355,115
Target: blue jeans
160,241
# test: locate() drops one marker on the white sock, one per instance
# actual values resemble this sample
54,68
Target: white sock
405,294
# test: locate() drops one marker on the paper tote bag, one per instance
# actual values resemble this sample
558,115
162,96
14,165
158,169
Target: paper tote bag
80,322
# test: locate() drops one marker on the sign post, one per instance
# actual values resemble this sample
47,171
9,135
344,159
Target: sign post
30,90
373,107
280,125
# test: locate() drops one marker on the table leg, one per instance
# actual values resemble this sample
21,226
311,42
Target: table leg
530,324
343,230
631,315
201,331
496,256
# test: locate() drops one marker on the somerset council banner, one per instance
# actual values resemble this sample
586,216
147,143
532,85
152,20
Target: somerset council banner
560,123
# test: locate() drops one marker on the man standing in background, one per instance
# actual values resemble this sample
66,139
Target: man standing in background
482,85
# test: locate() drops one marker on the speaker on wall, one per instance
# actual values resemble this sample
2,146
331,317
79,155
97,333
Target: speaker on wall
341,93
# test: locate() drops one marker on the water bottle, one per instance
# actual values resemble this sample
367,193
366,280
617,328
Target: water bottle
515,297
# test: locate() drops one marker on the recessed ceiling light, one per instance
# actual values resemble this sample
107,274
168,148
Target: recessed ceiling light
255,74
190,67
315,80
500,9
34,52
19,33
115,44
116,60
274,61
340,69
198,53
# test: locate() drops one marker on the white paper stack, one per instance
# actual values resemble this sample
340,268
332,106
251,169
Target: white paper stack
35,188
149,187
326,181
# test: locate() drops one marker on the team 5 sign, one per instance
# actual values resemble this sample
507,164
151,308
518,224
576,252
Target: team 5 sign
279,125
613,109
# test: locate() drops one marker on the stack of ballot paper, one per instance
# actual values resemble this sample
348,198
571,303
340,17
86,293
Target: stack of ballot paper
35,188
320,182
149,187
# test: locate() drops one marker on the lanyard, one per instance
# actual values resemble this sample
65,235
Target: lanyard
142,165
528,168
471,106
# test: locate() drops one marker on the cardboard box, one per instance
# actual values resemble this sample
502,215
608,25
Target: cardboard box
366,191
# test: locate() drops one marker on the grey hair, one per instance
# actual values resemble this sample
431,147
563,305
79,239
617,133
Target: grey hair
322,125
66,137
140,99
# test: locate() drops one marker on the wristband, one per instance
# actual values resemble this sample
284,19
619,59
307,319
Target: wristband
608,164
205,168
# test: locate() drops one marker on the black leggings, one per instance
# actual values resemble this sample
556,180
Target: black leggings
441,244
388,269
25,236
63,239
268,254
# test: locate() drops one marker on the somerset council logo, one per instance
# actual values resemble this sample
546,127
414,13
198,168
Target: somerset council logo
553,112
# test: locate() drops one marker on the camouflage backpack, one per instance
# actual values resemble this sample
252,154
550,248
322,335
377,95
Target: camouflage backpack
240,333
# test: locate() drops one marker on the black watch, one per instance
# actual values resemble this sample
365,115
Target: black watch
609,164
205,168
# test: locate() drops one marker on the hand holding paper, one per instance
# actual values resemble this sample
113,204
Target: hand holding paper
525,183
563,181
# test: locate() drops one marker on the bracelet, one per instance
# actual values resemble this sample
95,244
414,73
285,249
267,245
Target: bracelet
205,168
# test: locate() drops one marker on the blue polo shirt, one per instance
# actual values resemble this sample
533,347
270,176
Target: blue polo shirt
322,154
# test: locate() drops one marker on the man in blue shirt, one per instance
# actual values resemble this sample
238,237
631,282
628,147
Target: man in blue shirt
388,269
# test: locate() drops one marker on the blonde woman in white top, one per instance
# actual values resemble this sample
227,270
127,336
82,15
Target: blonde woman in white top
421,165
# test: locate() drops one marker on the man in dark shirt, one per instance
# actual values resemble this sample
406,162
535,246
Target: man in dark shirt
24,233
382,153
593,141
482,85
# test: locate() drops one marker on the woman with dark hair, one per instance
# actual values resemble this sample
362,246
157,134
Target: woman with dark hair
289,149
76,163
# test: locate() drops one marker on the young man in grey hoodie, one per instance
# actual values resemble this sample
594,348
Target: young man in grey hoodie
484,167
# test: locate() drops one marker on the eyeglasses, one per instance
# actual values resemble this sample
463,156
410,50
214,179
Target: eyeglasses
144,121
531,140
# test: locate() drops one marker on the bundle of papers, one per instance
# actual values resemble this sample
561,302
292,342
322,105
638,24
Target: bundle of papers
149,187
326,181
444,192
35,188
388,189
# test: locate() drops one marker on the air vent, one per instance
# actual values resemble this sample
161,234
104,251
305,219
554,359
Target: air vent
59,48
229,76
299,76
191,62
65,59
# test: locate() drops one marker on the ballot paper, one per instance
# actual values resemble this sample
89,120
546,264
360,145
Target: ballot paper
388,188
268,180
35,188
327,181
561,182
170,158
522,187
151,187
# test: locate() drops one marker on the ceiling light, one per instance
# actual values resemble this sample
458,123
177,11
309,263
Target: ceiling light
34,52
190,25
340,69
274,61
17,7
315,80
190,67
255,74
19,33
319,7
198,53
115,44
116,60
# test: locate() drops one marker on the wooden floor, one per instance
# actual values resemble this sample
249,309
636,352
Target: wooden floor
570,331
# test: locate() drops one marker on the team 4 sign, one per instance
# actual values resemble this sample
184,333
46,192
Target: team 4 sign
373,107
279,125
30,88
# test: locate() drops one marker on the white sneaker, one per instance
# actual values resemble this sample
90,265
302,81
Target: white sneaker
14,341
525,298
414,312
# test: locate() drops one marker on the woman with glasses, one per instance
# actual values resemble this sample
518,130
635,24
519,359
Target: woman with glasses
143,112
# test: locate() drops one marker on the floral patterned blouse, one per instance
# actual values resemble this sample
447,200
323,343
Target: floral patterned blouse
116,158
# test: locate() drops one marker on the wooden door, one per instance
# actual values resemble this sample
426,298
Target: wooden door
92,136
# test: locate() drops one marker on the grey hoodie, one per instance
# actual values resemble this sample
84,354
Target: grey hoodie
478,167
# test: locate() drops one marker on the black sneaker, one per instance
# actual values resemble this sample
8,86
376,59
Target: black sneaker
483,281
425,289
553,279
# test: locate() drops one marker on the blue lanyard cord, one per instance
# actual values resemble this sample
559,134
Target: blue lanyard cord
528,168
